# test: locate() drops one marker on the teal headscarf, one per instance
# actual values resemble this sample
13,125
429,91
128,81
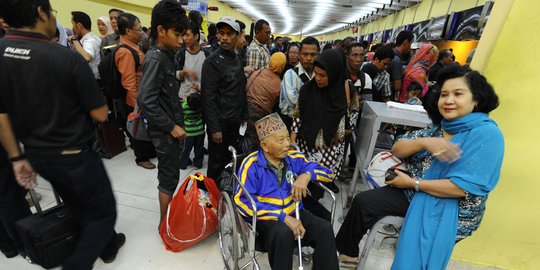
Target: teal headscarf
429,231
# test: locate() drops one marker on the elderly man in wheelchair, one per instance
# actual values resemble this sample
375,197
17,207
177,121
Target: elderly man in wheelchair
264,175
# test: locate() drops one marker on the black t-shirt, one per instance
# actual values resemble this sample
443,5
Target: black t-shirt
47,90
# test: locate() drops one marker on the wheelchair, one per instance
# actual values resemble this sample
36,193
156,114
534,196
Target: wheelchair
237,238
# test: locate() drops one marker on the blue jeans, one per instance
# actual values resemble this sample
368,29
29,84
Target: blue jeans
82,182
197,143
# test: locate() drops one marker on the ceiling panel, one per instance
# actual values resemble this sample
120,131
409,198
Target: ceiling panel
313,17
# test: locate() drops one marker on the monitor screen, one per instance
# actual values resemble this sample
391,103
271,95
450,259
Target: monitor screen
466,25
420,31
394,33
386,35
377,37
437,27
487,11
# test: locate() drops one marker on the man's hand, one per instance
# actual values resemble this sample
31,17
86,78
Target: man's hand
191,74
249,70
217,137
299,188
178,132
24,173
196,87
296,226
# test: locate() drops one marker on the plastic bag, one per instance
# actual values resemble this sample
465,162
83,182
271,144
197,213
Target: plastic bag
191,215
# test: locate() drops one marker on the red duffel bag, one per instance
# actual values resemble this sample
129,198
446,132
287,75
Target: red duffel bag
191,215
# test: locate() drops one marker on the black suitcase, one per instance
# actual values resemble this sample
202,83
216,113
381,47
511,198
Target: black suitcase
111,134
48,236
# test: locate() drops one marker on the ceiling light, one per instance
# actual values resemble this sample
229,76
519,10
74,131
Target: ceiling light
286,16
320,13
250,10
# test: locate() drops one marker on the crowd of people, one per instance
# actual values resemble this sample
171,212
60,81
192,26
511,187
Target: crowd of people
188,86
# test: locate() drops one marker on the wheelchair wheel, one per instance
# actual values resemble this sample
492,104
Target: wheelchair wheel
228,232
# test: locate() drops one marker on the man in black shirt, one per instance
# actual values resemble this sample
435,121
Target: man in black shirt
223,87
48,100
403,45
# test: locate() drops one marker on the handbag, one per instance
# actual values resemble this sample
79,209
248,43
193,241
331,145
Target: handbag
137,125
191,214
378,166
48,236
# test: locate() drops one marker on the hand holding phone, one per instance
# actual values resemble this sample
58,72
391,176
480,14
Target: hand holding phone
390,174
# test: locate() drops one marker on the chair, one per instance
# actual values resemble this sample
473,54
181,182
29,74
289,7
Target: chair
373,234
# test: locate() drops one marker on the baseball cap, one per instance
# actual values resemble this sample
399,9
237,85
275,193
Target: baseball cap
230,21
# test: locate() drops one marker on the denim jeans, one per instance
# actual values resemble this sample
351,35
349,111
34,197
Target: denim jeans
197,143
81,180
168,152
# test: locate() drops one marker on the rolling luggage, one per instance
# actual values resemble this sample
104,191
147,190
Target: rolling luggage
111,135
48,236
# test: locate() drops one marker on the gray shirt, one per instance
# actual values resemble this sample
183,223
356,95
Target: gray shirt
193,62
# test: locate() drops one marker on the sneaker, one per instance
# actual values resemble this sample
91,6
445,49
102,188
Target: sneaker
120,241
10,253
146,164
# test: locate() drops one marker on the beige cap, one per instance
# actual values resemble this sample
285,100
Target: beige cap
269,125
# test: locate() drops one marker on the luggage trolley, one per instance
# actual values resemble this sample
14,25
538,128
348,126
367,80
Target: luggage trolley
237,237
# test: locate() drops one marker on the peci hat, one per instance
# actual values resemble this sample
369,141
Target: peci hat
230,21
268,125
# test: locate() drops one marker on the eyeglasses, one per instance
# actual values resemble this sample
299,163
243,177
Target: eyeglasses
54,12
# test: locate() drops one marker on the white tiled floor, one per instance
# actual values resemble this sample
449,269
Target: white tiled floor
138,214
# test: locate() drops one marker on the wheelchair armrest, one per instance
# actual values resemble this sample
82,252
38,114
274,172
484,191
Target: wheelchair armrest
333,196
250,199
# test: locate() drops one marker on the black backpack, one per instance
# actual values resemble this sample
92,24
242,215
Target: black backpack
111,79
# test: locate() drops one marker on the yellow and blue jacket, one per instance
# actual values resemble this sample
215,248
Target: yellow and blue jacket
273,201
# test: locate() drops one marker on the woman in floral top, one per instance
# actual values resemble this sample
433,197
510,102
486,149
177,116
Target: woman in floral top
370,206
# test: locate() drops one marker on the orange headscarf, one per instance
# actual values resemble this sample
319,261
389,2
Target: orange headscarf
416,70
277,62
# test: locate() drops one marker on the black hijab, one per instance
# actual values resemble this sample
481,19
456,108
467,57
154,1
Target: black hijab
323,108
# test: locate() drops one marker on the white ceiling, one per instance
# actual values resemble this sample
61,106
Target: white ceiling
315,17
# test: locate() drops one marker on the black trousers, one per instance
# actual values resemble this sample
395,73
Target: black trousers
279,241
144,150
218,153
168,151
82,182
13,206
367,208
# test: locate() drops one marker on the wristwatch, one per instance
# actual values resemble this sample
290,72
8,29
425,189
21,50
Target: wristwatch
18,158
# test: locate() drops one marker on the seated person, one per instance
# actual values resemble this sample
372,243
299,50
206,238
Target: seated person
413,93
263,174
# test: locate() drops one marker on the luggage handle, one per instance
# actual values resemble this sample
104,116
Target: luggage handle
35,200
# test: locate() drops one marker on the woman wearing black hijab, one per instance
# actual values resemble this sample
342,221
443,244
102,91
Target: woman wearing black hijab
326,112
